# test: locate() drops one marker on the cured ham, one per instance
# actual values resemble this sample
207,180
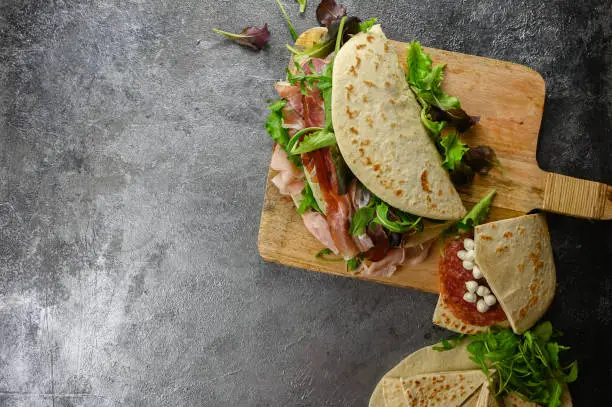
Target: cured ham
290,179
292,94
385,267
417,254
339,209
317,225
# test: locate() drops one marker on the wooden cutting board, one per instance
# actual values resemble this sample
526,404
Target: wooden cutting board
509,99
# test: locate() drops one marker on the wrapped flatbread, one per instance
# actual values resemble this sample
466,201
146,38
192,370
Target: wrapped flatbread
465,380
378,128
433,389
514,258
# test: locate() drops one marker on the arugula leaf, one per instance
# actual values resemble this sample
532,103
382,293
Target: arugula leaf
543,331
352,264
454,149
450,343
361,220
406,223
302,4
527,363
252,37
572,375
367,24
288,20
314,141
478,213
321,255
308,201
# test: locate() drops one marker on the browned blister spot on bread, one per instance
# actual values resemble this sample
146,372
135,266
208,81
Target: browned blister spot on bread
350,113
425,182
370,83
507,235
361,46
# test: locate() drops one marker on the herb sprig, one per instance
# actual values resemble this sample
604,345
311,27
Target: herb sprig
528,364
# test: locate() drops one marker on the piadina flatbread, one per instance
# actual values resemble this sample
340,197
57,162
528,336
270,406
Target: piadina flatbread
378,128
515,257
442,375
433,389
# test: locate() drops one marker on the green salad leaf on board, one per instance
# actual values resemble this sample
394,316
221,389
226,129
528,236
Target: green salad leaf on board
527,363
478,213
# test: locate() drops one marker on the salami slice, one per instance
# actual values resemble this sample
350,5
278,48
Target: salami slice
452,287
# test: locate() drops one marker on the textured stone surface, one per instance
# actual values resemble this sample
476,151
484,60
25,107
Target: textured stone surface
133,164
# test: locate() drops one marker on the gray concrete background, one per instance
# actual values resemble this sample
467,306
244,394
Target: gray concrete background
133,164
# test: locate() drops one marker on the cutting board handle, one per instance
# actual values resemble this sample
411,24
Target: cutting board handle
577,197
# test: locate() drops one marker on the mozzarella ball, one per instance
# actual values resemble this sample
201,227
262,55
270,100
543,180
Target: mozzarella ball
482,306
471,286
490,300
461,254
468,265
476,273
470,297
482,290
469,255
468,244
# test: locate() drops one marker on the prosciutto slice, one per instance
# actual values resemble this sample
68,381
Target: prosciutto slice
317,225
416,254
292,94
394,258
385,267
290,179
339,209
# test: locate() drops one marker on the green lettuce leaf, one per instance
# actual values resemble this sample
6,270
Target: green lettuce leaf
478,213
366,25
308,201
274,124
302,4
419,64
275,129
314,141
454,149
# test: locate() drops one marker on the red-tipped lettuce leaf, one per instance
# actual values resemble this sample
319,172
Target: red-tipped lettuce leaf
252,37
328,11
